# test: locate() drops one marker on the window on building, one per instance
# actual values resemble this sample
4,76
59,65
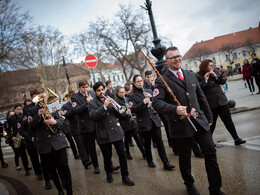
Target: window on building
214,60
244,53
6,99
118,78
227,57
235,55
114,78
195,65
122,77
15,97
109,78
99,79
23,95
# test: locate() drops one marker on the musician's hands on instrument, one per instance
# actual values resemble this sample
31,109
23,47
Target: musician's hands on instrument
14,139
41,111
182,110
210,124
51,121
206,76
128,112
107,101
148,95
212,73
146,100
32,139
89,98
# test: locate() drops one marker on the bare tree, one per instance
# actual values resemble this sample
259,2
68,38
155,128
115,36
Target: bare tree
12,26
229,48
251,47
45,47
200,53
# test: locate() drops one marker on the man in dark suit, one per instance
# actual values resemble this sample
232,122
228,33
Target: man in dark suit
110,91
109,132
80,103
51,144
187,90
148,80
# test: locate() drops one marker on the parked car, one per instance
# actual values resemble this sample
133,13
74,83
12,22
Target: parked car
2,121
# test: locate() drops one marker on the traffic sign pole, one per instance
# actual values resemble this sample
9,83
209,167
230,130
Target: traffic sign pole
93,75
91,62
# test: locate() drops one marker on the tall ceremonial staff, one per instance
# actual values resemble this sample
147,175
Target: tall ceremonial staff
193,112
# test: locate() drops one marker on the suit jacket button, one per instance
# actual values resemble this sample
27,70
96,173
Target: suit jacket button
49,135
187,93
107,113
175,120
112,128
110,121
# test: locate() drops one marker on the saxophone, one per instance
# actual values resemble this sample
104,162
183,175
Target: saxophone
17,143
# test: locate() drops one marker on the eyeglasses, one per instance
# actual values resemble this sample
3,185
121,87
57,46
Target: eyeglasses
174,57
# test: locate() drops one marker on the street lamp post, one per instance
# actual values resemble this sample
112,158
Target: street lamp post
158,50
67,74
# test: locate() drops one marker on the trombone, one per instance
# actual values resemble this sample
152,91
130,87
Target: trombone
115,105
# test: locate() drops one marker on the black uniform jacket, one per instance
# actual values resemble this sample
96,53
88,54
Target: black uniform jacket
189,94
45,140
127,122
15,125
144,115
107,123
80,107
72,117
26,131
110,94
148,85
212,90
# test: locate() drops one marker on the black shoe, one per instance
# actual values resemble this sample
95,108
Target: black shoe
218,192
239,141
40,177
154,145
192,190
115,168
144,156
76,156
151,164
4,165
60,192
29,167
96,170
27,172
131,143
109,178
86,165
129,157
199,154
128,181
47,185
168,166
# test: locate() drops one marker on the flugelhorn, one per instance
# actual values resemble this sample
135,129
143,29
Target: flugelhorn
115,105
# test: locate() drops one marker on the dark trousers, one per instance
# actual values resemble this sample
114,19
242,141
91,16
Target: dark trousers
156,135
55,159
128,135
45,167
257,80
206,143
250,83
106,150
20,152
81,148
72,144
35,160
1,155
89,140
166,127
225,115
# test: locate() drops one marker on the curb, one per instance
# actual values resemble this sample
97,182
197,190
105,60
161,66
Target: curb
242,109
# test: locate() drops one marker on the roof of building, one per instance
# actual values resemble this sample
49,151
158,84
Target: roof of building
239,39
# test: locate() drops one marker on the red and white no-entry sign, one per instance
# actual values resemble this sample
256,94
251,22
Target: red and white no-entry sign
91,61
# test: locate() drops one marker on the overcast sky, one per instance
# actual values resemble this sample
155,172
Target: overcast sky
182,21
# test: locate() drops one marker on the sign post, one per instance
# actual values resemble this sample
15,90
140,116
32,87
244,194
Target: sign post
91,62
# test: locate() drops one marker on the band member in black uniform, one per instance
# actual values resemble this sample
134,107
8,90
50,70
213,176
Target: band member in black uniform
109,89
149,122
109,132
186,88
15,124
148,80
210,81
80,103
128,123
3,163
28,135
75,129
51,143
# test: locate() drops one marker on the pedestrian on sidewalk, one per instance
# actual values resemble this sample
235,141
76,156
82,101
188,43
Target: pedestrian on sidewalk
247,75
255,69
210,80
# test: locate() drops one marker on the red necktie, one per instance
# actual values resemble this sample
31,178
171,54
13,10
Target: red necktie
102,100
179,76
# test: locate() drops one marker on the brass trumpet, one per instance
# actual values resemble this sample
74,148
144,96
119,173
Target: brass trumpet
115,105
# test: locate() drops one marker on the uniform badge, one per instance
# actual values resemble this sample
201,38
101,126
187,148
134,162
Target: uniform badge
130,104
24,118
18,125
74,104
64,111
155,92
30,119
